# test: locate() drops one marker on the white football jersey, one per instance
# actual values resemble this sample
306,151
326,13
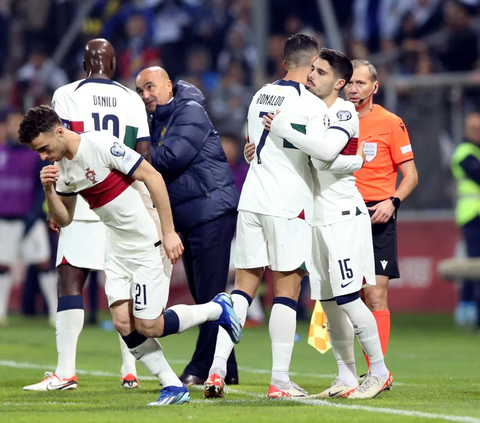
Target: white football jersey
336,198
101,173
279,181
96,104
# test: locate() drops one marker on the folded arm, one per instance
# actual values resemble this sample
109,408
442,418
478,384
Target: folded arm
342,164
318,143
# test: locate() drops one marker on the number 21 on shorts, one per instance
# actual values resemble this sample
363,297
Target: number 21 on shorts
140,297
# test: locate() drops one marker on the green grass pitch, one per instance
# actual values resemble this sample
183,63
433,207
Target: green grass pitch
436,371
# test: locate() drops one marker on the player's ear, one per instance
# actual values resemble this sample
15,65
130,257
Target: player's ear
375,87
284,63
114,64
60,131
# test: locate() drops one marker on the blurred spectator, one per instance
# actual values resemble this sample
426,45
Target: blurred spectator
459,52
379,23
275,69
4,33
234,151
210,22
238,49
170,22
138,53
22,222
229,102
466,171
3,127
199,65
371,20
36,78
418,19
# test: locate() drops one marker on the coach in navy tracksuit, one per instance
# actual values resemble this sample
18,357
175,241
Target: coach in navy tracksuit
186,150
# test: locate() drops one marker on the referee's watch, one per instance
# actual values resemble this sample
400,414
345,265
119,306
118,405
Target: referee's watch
396,202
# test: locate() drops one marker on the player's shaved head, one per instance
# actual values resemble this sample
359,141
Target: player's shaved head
99,59
154,86
299,51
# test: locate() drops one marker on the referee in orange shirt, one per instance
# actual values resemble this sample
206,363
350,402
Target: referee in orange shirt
387,148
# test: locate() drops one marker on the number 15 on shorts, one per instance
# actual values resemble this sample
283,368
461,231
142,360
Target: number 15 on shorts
346,272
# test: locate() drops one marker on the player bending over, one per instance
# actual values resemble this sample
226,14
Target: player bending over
100,169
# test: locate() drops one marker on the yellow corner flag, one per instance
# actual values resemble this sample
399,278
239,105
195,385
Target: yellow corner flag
318,336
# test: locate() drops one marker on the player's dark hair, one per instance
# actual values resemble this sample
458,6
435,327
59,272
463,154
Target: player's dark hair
373,71
38,120
340,63
298,50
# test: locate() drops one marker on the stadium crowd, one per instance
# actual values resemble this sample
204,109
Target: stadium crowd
211,43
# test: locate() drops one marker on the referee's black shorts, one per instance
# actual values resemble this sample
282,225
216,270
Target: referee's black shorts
385,246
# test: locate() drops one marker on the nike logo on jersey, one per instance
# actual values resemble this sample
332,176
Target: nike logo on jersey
139,309
384,263
68,183
344,285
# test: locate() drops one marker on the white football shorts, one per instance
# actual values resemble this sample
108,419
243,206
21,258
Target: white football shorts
143,280
342,256
282,244
82,243
34,248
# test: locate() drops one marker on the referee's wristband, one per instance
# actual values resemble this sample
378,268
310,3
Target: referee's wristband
396,202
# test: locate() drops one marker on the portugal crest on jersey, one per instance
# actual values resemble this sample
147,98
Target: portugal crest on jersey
90,175
326,121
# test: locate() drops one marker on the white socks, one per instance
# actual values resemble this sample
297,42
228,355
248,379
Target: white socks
69,325
190,316
342,340
128,360
224,345
282,326
240,305
48,285
150,354
6,283
365,328
255,311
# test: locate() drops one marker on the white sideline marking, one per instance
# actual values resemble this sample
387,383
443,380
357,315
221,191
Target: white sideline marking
31,404
6,363
325,403
314,402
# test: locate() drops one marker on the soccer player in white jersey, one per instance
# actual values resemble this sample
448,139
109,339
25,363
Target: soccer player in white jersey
342,242
100,104
272,229
102,170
